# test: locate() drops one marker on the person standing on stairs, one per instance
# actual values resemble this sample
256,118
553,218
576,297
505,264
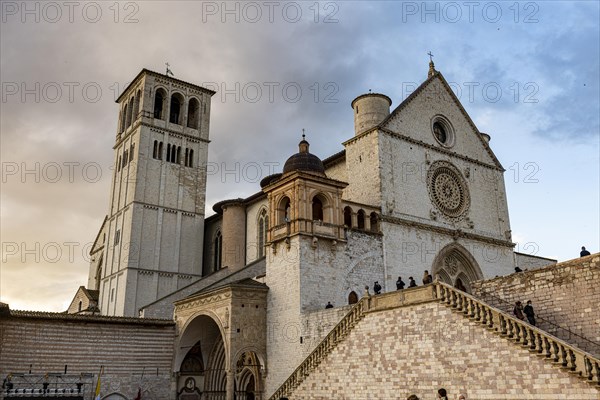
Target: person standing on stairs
528,310
518,311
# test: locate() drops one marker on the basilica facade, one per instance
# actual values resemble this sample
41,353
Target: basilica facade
414,188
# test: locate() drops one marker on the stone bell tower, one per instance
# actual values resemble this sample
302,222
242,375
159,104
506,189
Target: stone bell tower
155,223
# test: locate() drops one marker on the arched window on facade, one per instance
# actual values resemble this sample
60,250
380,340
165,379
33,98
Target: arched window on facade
374,222
131,150
360,219
80,306
189,157
136,105
168,152
130,112
218,251
263,226
124,119
178,157
176,108
121,121
317,209
284,211
193,113
173,153
159,104
155,150
348,216
352,298
160,150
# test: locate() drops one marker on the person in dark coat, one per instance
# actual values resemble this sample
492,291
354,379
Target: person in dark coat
517,269
377,287
400,283
427,278
584,252
528,310
329,305
411,282
518,311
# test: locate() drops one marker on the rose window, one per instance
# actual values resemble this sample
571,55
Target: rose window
447,189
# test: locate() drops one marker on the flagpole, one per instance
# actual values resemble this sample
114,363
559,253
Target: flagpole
97,392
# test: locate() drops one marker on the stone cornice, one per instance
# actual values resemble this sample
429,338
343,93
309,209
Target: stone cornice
228,292
350,202
440,149
154,206
139,122
152,271
306,176
165,79
424,145
214,296
455,233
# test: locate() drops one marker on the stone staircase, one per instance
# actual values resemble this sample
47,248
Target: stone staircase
558,352
561,353
337,334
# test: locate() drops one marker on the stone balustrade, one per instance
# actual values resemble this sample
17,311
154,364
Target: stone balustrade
320,352
564,355
560,352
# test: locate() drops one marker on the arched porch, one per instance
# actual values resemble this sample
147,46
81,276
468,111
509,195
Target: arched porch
220,353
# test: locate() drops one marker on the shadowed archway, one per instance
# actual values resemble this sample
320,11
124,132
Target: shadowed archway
200,360
457,267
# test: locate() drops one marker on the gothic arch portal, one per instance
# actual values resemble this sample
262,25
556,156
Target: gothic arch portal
202,348
457,267
248,380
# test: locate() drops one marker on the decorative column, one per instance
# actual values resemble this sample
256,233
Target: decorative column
230,384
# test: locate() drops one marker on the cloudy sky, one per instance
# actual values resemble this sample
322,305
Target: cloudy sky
527,73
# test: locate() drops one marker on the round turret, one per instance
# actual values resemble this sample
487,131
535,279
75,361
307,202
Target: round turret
234,232
370,110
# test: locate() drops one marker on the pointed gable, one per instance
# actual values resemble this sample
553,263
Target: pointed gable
434,101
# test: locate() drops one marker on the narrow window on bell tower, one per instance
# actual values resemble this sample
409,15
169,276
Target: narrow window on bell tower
176,106
159,98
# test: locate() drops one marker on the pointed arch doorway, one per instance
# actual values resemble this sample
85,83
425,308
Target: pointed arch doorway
457,267
248,377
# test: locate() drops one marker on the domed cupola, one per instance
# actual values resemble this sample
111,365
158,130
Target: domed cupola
304,161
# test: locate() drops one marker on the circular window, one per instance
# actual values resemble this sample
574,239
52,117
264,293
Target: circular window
442,131
447,189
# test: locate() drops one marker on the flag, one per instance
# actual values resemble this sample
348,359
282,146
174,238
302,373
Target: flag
139,395
97,394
